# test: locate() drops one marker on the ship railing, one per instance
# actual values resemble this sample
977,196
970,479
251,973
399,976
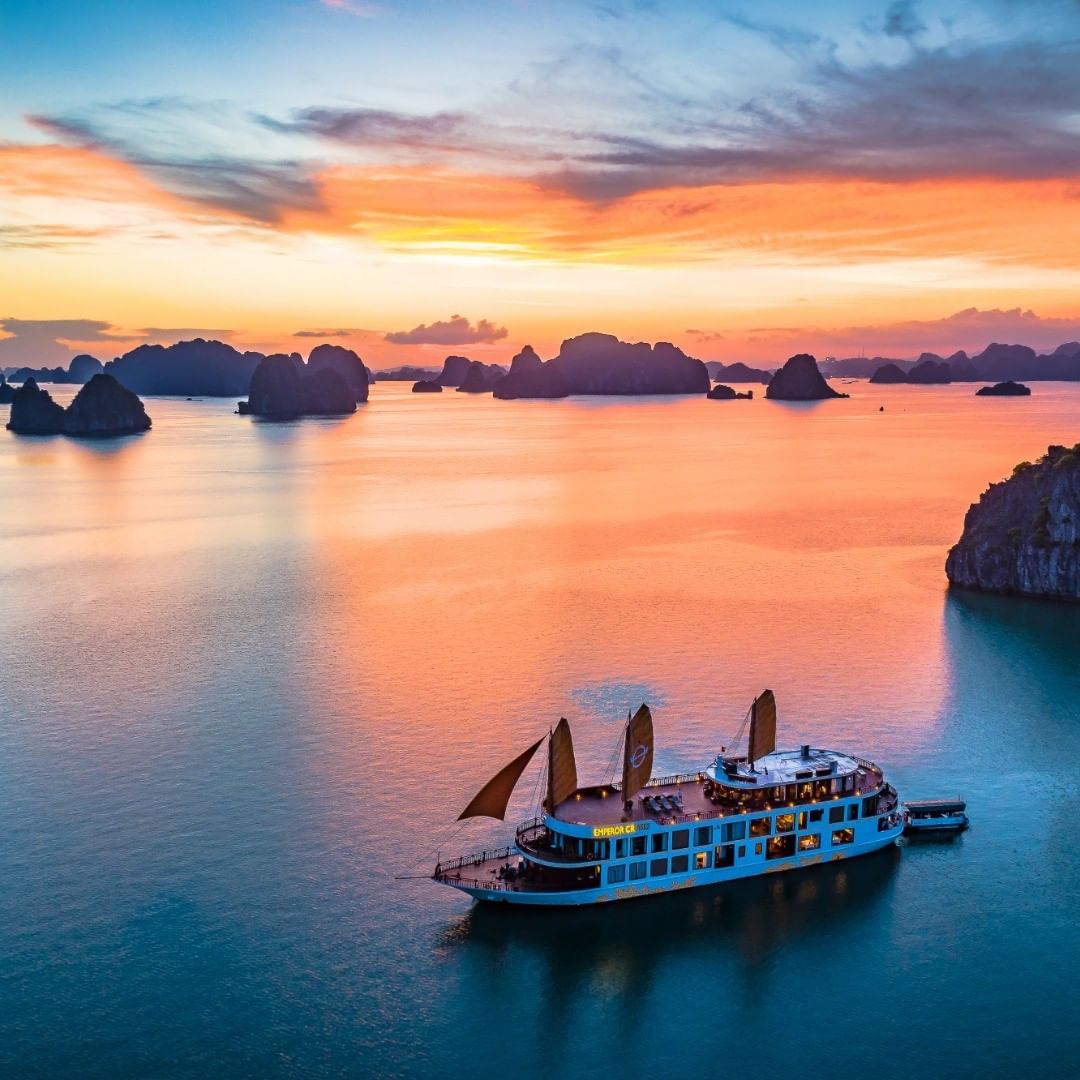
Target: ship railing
532,825
677,778
665,781
529,837
442,868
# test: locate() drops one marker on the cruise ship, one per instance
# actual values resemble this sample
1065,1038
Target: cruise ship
757,813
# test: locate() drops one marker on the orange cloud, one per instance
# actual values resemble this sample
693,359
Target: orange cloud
814,220
414,210
75,173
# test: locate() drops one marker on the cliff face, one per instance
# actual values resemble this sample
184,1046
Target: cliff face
1023,535
800,380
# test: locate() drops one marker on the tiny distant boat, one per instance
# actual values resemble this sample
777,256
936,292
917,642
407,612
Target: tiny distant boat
765,811
935,815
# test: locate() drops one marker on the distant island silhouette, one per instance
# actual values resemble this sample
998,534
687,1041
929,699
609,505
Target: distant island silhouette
996,363
102,407
1004,389
590,363
283,387
800,380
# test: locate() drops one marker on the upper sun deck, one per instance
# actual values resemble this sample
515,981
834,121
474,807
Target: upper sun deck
781,767
697,796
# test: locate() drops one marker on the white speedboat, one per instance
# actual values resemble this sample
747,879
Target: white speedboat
935,815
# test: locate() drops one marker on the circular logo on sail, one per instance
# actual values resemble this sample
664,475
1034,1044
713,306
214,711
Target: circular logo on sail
638,756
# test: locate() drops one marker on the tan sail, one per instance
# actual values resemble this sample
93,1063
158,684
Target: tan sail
637,753
762,726
491,799
562,768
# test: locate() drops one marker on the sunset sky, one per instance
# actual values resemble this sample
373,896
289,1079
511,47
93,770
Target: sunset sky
416,178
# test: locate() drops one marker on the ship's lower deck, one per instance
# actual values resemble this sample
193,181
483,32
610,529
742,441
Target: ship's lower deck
504,876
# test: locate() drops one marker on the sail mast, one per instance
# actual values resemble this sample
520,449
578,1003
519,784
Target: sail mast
562,767
637,754
762,726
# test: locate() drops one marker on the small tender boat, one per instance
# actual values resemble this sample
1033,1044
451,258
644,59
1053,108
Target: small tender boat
935,815
764,811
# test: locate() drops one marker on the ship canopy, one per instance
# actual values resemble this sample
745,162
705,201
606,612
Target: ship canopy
562,768
637,753
762,726
491,799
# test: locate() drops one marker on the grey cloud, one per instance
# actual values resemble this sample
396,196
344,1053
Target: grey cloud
375,127
340,333
181,162
1006,110
40,342
457,330
49,342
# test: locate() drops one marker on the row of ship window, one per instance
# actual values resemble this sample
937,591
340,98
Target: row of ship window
730,831
778,847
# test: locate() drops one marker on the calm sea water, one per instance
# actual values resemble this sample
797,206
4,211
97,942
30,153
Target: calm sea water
253,671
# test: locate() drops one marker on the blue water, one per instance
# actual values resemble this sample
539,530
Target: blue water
252,672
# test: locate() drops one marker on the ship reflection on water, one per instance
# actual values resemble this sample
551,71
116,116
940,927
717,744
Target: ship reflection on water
621,949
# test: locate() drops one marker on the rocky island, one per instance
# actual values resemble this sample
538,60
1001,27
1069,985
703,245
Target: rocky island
427,386
101,408
283,387
930,373
1004,389
1023,535
720,392
737,373
405,373
800,380
530,377
454,370
346,363
888,374
480,378
81,370
7,391
198,368
602,364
